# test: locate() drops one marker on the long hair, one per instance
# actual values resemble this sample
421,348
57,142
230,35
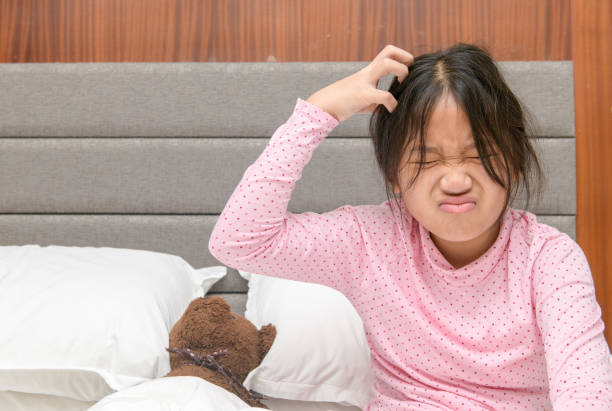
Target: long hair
499,121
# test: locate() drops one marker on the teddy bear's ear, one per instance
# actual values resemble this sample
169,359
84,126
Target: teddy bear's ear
267,334
215,304
214,300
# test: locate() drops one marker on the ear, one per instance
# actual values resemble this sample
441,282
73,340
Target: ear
215,300
267,334
217,309
396,189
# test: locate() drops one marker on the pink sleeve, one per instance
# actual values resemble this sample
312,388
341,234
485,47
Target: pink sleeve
257,234
569,318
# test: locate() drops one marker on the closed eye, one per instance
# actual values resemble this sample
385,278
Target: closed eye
431,163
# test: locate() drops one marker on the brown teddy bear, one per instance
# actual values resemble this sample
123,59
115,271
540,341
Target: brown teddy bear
211,342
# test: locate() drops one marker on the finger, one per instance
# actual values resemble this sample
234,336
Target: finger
385,98
387,65
395,53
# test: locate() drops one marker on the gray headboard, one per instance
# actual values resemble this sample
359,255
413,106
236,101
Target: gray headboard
145,155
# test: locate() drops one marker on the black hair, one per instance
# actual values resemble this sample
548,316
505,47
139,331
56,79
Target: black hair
499,121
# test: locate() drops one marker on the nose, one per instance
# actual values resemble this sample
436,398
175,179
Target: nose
455,181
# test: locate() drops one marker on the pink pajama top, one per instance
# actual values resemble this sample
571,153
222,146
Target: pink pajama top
517,329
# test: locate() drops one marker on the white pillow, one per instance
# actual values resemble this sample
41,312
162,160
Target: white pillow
82,322
22,401
320,352
173,394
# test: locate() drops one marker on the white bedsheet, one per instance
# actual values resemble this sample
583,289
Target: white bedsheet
16,401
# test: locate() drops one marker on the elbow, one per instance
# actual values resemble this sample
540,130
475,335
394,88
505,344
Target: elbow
215,246
212,248
216,249
227,250
233,247
238,254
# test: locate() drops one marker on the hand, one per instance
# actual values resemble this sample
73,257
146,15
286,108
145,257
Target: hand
358,93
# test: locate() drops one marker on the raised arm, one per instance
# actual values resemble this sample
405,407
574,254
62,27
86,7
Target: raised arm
569,318
256,233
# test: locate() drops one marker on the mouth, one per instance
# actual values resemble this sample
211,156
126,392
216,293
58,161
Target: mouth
457,208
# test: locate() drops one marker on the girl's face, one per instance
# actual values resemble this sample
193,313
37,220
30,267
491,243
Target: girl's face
465,231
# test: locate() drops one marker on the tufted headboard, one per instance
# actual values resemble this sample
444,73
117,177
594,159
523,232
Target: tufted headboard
145,155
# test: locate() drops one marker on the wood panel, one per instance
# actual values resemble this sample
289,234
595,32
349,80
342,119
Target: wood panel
276,30
592,45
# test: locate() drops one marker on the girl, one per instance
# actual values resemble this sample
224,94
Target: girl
467,304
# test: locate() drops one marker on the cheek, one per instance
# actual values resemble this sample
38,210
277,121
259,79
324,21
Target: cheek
423,179
499,170
489,185
417,188
417,198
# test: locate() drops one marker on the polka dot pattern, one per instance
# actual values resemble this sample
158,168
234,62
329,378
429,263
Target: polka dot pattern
517,329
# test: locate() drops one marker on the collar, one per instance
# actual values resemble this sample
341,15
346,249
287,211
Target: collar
469,274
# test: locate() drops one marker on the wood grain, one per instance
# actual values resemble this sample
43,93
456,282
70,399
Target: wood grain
276,30
592,50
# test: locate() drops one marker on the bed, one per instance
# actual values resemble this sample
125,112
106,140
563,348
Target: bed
143,156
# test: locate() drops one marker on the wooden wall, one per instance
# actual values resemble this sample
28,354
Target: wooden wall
592,56
277,30
352,30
